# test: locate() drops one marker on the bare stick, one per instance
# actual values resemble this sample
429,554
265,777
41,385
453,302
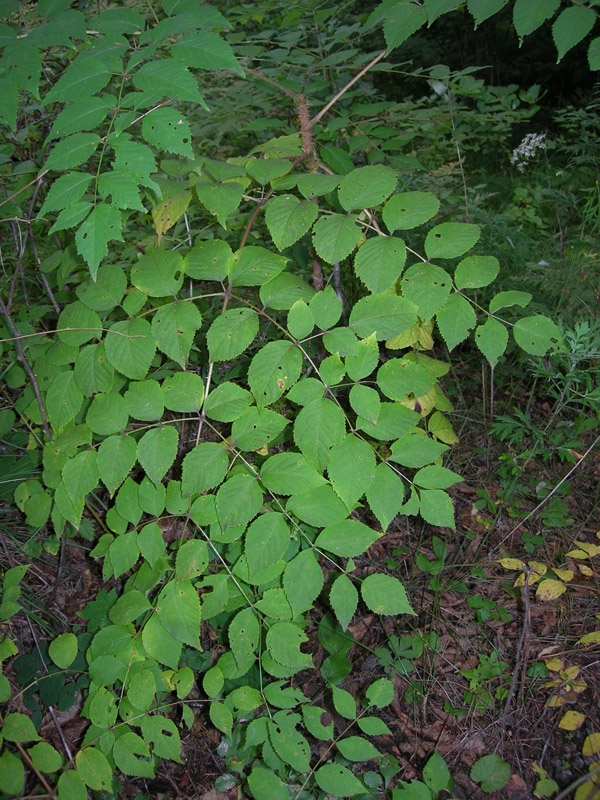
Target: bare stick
343,91
524,638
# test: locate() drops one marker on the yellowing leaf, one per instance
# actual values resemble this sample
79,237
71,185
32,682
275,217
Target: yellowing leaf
554,664
557,701
511,563
166,214
590,638
577,554
571,720
563,574
589,548
550,589
591,746
585,570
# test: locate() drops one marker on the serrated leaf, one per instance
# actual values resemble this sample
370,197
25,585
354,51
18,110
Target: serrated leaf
436,508
355,748
338,781
314,184
491,772
300,320
80,475
206,50
319,425
45,758
415,450
72,151
209,261
379,262
474,272
166,129
238,501
399,377
351,468
168,77
106,291
435,8
266,541
282,291
130,347
384,594
536,335
103,225
491,338
144,400
385,495
203,468
302,581
283,642
254,266
409,210
231,333
244,635
79,324
18,727
166,214
344,600
63,400
159,643
70,216
347,538
85,115
125,752
400,22
335,236
385,315
221,199
484,9
81,79
289,473
288,219
273,370
221,717
257,428
594,54
326,308
380,693
455,320
265,170
528,15
366,187
365,402
173,329
64,191
183,392
178,609
451,239
156,451
436,478
94,769
227,402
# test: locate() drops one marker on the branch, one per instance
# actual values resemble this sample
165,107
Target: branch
343,91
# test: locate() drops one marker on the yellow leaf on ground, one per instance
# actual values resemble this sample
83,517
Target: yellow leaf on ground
550,589
590,638
585,570
577,554
572,720
591,746
563,574
554,664
557,701
511,563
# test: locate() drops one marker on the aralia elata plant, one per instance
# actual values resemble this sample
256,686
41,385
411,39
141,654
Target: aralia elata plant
239,432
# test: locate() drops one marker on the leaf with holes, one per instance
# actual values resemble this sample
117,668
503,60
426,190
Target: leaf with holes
451,239
409,210
167,130
244,634
283,642
536,335
338,781
273,370
231,333
173,329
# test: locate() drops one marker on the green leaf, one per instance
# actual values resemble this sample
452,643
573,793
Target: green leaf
227,402
130,347
300,320
80,475
71,787
437,775
144,400
302,581
484,9
282,291
231,333
355,748
71,216
474,272
491,338
244,635
385,315
318,426
366,187
314,184
436,508
536,335
151,543
63,400
436,478
351,468
238,501
173,329
94,769
312,716
183,391
116,457
45,758
338,781
72,151
594,58
166,214
380,693
491,772
379,262
288,219
435,8
373,726
409,210
166,129
399,377
347,538
344,703
385,595
451,239
167,77
344,600
385,495
415,450
221,199
158,273
326,308
288,744
125,752
206,50
80,323
318,507
103,225
178,609
289,473
507,299
64,191
156,451
106,291
273,370
221,717
12,774
265,170
283,642
427,286
528,15
204,467
366,359
257,428
123,551
365,402
107,414
159,643
254,266
265,784
266,541
81,79
130,605
22,65
400,22
18,727
455,320
335,236
87,114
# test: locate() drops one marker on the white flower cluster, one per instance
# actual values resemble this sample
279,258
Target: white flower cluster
522,155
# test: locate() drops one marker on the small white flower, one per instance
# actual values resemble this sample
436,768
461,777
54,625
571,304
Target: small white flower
526,150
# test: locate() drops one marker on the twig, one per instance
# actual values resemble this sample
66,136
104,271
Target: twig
252,219
22,189
25,756
343,91
523,646
27,368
